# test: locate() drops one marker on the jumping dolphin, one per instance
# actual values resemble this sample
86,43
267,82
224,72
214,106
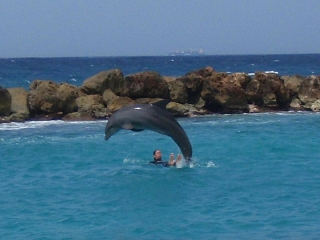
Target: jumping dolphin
151,117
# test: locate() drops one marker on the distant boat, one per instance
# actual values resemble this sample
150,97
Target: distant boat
191,52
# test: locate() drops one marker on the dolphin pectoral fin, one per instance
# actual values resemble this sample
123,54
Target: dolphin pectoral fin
136,130
127,126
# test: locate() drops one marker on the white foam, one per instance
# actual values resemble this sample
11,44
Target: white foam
191,165
26,125
39,124
129,160
211,164
180,164
271,72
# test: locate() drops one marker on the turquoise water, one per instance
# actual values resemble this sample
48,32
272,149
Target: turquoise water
254,176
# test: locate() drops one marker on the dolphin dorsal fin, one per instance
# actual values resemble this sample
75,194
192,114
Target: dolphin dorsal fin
162,103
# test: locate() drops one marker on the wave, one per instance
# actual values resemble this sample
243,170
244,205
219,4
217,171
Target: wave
40,124
271,71
26,125
223,120
193,164
215,119
134,161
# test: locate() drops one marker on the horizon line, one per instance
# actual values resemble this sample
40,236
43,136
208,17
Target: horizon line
168,55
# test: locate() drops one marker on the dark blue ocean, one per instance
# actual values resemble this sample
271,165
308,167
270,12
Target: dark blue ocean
253,176
19,72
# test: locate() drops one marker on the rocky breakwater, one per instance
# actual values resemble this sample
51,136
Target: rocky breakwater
202,91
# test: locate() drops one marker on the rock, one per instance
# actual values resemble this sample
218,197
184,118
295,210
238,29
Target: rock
47,97
201,91
47,117
315,107
118,103
4,119
296,104
97,84
78,116
92,105
200,104
68,94
253,108
178,91
169,79
193,82
147,100
259,109
19,103
177,109
203,72
268,90
309,90
108,96
18,117
145,85
184,110
43,85
222,94
5,102
240,79
293,83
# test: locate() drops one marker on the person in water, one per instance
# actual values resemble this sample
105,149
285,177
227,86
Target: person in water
157,159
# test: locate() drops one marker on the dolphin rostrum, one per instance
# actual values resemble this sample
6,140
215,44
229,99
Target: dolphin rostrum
152,117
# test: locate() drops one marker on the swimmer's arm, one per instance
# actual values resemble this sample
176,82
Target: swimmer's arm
172,162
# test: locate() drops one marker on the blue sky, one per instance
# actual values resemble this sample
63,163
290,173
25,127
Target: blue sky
60,28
